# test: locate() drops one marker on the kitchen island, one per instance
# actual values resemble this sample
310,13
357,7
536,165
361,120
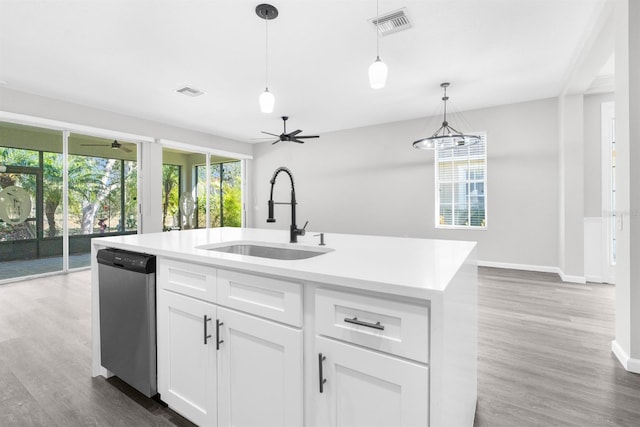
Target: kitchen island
368,330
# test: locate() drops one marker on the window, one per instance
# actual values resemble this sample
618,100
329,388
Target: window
461,183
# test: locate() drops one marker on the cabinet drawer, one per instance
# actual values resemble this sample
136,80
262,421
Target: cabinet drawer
394,327
273,299
195,280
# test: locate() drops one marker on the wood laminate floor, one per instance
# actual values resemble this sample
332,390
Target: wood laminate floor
544,358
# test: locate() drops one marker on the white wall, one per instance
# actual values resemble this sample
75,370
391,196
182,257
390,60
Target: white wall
372,181
48,108
627,98
571,196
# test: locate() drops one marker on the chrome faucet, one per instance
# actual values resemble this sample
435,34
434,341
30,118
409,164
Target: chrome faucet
293,229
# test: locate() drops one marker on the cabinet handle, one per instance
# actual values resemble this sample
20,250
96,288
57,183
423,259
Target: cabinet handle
206,334
355,321
218,340
321,359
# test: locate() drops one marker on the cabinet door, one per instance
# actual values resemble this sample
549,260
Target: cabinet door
367,389
186,360
259,372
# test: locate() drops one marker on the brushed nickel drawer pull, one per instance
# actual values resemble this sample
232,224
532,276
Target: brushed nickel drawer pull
355,321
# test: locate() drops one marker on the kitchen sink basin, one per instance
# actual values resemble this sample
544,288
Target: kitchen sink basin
268,250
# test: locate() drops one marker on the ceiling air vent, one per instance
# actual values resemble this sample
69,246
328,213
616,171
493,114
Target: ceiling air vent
392,22
189,91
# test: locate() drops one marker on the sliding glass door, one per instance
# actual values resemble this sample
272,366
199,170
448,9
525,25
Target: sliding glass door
30,201
189,196
35,236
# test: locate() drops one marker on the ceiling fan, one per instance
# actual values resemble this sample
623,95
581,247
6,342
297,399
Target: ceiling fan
291,136
115,145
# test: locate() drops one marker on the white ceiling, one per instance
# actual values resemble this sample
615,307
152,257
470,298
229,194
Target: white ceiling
130,56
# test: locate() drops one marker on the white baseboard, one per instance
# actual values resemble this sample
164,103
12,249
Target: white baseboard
529,267
597,279
628,363
572,279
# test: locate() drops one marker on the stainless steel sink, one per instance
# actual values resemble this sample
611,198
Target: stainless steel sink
263,250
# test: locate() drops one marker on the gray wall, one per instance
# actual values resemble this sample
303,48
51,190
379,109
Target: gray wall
593,153
372,181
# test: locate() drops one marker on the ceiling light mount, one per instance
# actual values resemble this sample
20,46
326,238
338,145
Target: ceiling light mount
446,137
267,12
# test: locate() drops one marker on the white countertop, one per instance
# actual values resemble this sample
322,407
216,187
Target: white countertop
416,268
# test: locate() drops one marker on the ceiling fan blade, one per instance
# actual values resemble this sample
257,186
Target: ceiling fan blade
272,134
275,142
297,140
294,133
308,136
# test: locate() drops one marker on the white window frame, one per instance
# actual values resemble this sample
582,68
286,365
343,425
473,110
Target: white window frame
437,181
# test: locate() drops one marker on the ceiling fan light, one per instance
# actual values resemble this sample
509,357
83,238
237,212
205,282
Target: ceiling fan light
378,74
267,101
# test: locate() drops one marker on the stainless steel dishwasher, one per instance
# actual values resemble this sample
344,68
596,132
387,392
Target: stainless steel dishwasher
127,291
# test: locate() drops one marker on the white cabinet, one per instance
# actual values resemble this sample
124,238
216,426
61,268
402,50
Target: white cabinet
361,388
221,366
259,372
363,343
186,360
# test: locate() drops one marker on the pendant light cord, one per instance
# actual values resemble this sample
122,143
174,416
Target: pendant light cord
266,51
377,30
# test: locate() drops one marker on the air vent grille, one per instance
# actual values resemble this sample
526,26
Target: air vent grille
392,22
189,91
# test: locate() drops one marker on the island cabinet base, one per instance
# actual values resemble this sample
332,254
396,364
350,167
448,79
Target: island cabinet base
270,351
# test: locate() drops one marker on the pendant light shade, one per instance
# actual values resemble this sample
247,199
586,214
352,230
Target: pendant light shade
378,74
446,137
378,70
266,12
267,100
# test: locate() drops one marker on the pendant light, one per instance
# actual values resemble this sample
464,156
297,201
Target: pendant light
378,70
446,136
266,12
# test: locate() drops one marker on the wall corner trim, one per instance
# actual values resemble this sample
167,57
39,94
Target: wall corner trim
628,363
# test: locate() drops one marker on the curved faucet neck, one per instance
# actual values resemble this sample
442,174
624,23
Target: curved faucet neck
275,175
